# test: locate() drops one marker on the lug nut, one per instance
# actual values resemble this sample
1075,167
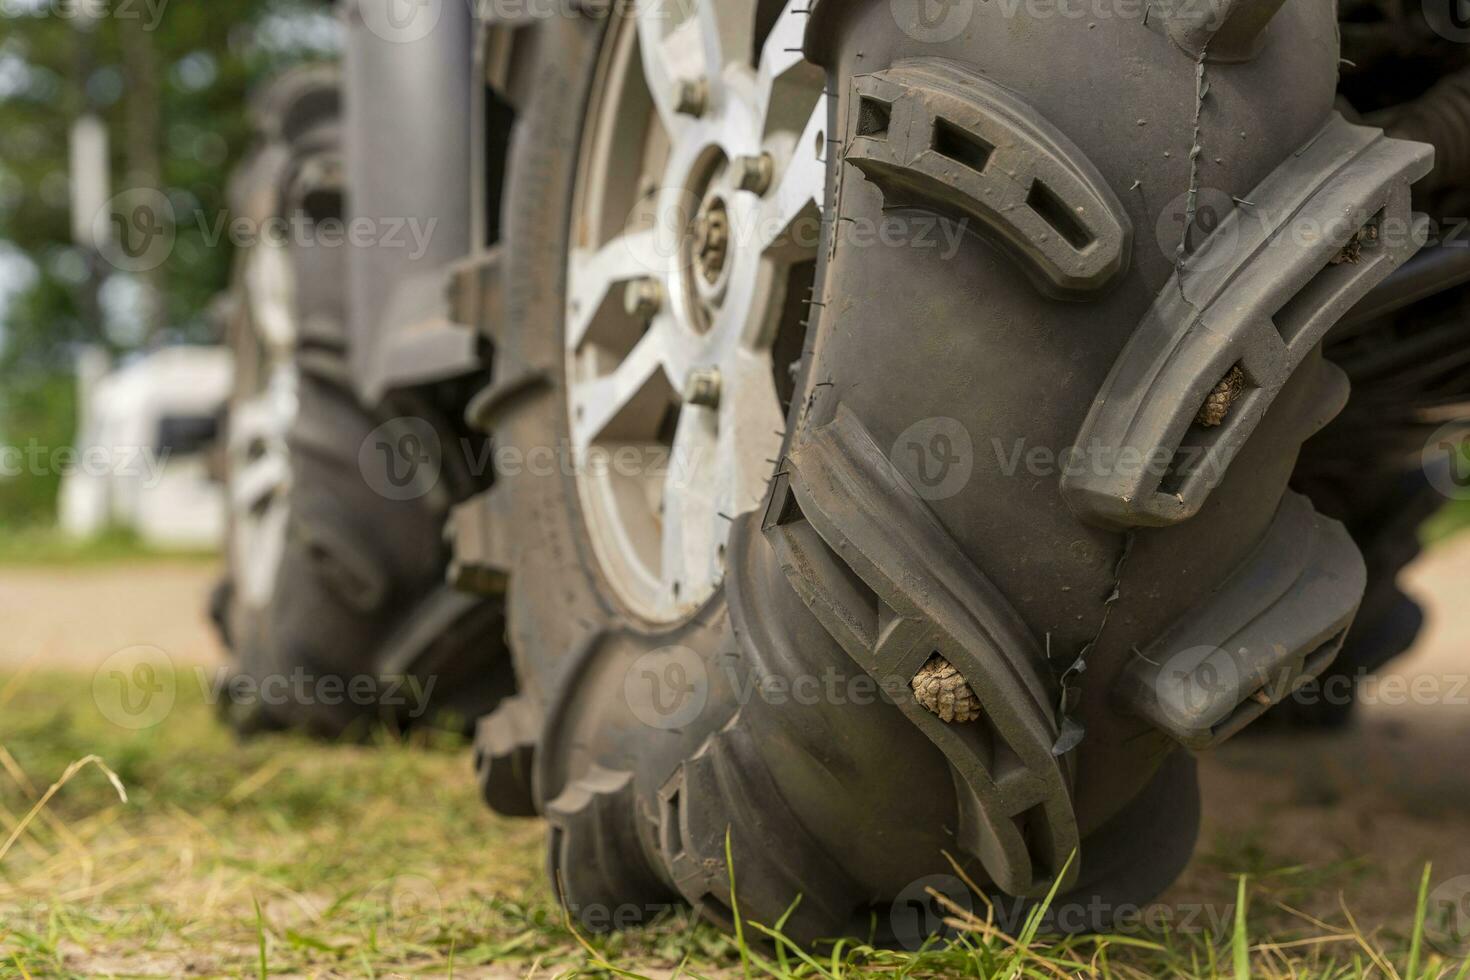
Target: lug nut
754,174
643,298
693,98
703,388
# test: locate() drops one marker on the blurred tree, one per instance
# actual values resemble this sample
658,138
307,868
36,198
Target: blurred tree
170,79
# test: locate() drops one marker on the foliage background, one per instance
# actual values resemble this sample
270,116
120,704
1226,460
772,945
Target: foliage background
171,81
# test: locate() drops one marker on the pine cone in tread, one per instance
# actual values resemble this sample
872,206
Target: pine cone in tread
941,688
1217,406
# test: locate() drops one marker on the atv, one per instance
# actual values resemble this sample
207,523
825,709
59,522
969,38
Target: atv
839,445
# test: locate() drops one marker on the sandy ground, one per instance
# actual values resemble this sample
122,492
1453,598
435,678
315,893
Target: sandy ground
78,617
1375,801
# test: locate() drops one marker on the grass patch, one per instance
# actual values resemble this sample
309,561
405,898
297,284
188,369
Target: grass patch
39,546
283,857
1452,519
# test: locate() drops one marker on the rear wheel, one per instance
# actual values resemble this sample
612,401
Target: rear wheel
336,608
794,334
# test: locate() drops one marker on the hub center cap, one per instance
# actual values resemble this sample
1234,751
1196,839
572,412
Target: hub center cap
712,240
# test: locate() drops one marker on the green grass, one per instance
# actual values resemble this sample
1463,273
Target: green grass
37,545
1453,519
283,857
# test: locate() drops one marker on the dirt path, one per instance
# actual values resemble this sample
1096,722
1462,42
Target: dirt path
1374,802
78,617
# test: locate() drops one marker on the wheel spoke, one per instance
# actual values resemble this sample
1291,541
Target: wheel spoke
594,274
596,403
726,34
260,546
271,288
691,490
669,59
787,85
750,435
799,194
783,48
259,481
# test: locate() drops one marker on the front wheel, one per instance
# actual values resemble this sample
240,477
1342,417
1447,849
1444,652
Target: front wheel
914,459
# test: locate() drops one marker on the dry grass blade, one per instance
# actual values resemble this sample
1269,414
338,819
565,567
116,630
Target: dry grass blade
1363,942
66,777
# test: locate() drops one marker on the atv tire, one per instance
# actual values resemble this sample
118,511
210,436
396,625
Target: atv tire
354,624
941,630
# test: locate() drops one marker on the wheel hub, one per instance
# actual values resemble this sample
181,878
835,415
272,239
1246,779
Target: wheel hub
678,275
712,240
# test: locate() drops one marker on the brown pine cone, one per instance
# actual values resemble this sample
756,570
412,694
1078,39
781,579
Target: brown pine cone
941,688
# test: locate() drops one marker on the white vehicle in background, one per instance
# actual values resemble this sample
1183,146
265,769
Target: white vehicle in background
142,461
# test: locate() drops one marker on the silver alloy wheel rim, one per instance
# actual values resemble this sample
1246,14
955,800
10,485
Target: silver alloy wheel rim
260,461
700,188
